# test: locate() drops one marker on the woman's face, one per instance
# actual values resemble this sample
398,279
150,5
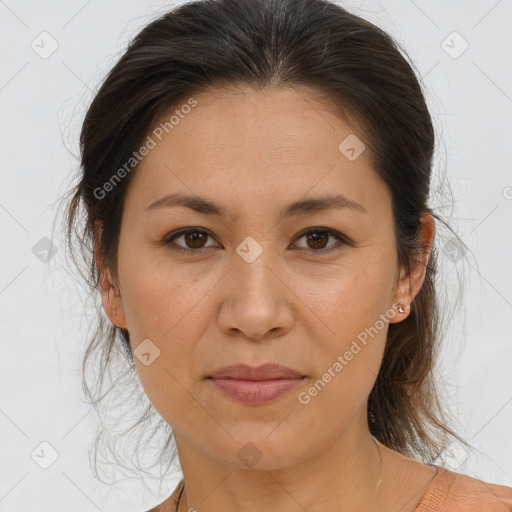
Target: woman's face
254,288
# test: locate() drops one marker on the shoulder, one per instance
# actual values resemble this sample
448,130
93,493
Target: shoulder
456,492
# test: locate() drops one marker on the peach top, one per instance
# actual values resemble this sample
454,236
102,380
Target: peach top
448,492
455,492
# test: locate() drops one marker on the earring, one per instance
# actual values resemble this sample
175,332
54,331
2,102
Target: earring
401,309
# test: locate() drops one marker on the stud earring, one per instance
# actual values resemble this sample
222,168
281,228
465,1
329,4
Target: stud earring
401,309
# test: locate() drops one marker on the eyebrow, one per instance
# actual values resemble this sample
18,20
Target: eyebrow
304,206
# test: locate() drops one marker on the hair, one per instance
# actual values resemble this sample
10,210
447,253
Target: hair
362,73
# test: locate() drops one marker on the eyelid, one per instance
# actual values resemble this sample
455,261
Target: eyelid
344,240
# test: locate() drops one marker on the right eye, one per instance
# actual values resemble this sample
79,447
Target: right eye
194,237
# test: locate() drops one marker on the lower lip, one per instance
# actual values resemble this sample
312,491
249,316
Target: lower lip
255,391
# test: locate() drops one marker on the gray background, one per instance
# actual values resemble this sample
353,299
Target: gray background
42,321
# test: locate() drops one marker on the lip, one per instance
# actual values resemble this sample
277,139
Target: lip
262,372
256,385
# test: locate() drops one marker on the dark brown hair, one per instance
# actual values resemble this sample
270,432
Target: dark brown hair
360,70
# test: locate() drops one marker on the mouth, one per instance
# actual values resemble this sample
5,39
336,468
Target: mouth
256,385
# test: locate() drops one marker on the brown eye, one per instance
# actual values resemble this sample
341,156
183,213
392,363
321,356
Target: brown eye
194,240
317,239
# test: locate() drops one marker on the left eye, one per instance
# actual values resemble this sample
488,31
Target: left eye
315,237
318,237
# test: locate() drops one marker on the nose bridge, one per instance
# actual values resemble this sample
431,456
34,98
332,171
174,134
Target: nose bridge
256,299
253,263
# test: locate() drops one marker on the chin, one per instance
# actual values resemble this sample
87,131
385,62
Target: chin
260,448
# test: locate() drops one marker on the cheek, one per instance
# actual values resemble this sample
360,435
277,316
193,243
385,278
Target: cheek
354,307
159,298
163,305
356,298
165,386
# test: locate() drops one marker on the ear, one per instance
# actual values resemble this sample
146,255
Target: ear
409,285
110,295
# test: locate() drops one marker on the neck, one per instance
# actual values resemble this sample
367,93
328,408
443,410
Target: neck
343,476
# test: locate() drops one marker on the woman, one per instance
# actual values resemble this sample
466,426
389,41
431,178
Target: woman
255,176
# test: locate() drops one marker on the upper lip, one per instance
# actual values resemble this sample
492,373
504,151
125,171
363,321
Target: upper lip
264,372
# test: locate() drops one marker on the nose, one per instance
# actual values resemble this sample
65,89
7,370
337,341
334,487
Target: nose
257,299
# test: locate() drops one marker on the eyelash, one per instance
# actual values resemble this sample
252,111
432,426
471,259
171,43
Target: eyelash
169,239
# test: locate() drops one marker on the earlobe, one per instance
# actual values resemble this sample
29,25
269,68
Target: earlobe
411,283
401,304
110,294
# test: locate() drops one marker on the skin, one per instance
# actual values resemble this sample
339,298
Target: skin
255,152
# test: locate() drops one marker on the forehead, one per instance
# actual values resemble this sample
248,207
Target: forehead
256,144
272,121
